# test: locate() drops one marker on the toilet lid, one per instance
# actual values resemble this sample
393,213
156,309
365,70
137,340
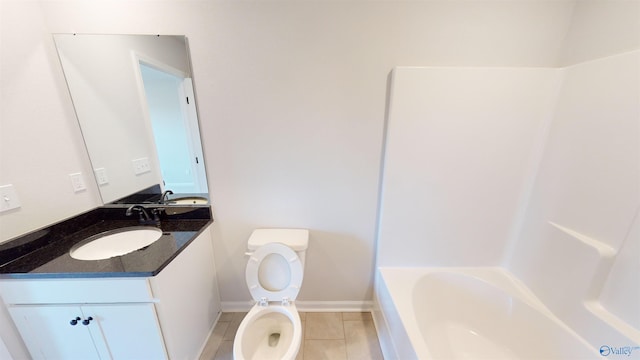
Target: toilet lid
274,272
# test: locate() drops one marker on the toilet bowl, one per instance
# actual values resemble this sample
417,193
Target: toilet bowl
269,332
272,329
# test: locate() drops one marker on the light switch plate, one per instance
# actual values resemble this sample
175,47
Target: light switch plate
77,182
8,198
141,166
101,176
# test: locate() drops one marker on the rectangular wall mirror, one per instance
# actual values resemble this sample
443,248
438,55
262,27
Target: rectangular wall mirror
134,99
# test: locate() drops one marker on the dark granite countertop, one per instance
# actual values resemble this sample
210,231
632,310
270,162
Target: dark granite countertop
44,253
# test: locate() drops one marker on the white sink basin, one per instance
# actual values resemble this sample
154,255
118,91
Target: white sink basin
191,200
115,243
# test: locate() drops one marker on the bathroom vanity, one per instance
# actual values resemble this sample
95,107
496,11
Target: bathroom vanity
76,289
157,302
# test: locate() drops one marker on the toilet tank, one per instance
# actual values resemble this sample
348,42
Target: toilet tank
296,239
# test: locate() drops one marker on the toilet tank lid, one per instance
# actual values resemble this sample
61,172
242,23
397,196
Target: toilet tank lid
296,239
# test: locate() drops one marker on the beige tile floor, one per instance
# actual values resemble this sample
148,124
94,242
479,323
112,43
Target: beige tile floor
335,336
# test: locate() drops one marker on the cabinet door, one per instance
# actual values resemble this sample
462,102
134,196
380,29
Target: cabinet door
48,333
130,331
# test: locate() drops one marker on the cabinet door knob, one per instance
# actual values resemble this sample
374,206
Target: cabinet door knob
74,321
87,321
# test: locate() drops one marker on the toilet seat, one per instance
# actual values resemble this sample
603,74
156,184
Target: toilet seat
283,282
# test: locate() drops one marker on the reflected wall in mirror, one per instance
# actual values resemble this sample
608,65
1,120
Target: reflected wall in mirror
133,96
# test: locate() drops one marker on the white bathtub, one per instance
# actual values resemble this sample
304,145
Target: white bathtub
467,313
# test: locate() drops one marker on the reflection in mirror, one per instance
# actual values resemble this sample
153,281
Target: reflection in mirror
133,96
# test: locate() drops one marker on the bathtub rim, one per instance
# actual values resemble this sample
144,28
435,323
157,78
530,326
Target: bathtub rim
400,280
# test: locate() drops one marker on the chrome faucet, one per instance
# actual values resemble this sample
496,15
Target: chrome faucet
145,218
163,198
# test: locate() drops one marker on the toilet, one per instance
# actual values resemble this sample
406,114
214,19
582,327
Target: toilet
272,328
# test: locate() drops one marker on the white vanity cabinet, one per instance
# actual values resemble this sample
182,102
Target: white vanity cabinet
120,331
47,333
167,316
85,318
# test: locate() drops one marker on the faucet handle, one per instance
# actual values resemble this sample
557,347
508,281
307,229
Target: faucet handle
156,213
143,214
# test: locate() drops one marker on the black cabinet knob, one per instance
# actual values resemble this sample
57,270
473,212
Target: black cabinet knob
87,321
74,322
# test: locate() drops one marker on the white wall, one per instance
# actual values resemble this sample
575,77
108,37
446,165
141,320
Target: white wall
41,142
297,101
292,102
600,28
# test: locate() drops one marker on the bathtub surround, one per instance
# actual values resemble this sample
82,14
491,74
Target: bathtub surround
582,218
557,209
459,148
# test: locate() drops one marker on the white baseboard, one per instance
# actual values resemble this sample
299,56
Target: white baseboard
236,306
306,306
206,341
335,306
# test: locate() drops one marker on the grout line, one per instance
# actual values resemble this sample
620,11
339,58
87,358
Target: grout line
344,338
